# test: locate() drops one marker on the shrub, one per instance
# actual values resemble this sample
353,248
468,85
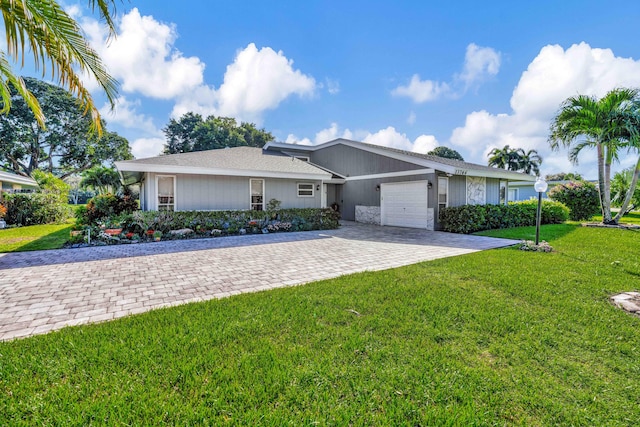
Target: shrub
35,208
53,185
105,206
471,218
580,197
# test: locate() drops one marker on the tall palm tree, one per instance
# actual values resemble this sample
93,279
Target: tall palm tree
588,122
59,48
529,161
632,124
504,158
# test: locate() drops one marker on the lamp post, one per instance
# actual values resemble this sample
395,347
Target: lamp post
540,186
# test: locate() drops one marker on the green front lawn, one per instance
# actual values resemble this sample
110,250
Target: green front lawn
34,237
500,337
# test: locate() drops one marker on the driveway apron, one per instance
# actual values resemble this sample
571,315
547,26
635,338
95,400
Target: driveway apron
42,291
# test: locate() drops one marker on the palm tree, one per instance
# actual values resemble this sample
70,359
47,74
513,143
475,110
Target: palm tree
529,161
101,179
503,158
53,38
632,124
586,121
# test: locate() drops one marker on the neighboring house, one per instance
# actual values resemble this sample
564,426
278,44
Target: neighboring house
367,183
523,190
12,183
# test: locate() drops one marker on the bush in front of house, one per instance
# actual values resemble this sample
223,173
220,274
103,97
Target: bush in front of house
580,197
46,206
104,207
471,218
231,222
34,208
141,225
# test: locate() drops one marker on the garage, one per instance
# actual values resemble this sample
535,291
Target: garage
404,204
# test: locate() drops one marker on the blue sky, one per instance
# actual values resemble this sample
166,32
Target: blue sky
413,75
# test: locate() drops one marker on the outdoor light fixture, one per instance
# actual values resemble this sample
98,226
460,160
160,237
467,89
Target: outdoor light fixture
540,186
429,185
318,187
378,187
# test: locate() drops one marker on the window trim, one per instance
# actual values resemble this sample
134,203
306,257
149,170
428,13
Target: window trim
313,188
157,195
516,194
446,188
251,195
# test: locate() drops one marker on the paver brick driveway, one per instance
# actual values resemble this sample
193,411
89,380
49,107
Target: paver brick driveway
46,290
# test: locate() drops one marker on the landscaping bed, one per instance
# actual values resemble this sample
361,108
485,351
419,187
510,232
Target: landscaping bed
151,226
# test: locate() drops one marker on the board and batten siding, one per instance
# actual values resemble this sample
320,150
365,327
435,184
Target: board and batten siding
215,192
349,161
493,191
458,191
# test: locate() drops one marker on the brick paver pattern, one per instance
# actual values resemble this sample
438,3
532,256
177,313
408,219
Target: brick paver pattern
43,291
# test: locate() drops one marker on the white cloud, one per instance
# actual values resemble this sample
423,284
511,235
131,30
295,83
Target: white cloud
143,57
256,81
554,75
421,90
388,137
147,147
333,86
125,114
412,118
480,63
259,80
424,143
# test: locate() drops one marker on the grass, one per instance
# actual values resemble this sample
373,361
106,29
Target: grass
34,237
500,337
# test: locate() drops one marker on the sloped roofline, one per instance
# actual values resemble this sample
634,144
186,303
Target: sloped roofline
17,179
450,167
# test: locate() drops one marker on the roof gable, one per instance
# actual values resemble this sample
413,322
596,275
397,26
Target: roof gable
448,166
236,161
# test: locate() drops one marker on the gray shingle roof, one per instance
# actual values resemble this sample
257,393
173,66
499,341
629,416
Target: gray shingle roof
458,164
249,159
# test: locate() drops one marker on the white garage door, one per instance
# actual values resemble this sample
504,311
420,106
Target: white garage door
404,204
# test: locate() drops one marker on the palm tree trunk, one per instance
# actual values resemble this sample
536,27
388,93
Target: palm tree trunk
607,182
605,204
629,196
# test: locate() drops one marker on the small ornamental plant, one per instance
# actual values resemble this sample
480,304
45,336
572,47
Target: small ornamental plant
530,246
3,211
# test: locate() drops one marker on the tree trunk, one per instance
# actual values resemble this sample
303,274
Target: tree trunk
607,184
629,196
604,205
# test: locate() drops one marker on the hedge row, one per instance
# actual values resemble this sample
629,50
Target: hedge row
471,218
141,225
230,222
34,208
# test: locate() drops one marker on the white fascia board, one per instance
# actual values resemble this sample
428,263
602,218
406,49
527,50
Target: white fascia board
507,176
391,174
140,167
17,179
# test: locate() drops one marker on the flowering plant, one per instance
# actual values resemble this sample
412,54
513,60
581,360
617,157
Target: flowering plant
3,211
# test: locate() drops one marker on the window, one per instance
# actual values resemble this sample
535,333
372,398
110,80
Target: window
503,192
443,192
257,194
166,191
305,189
513,194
